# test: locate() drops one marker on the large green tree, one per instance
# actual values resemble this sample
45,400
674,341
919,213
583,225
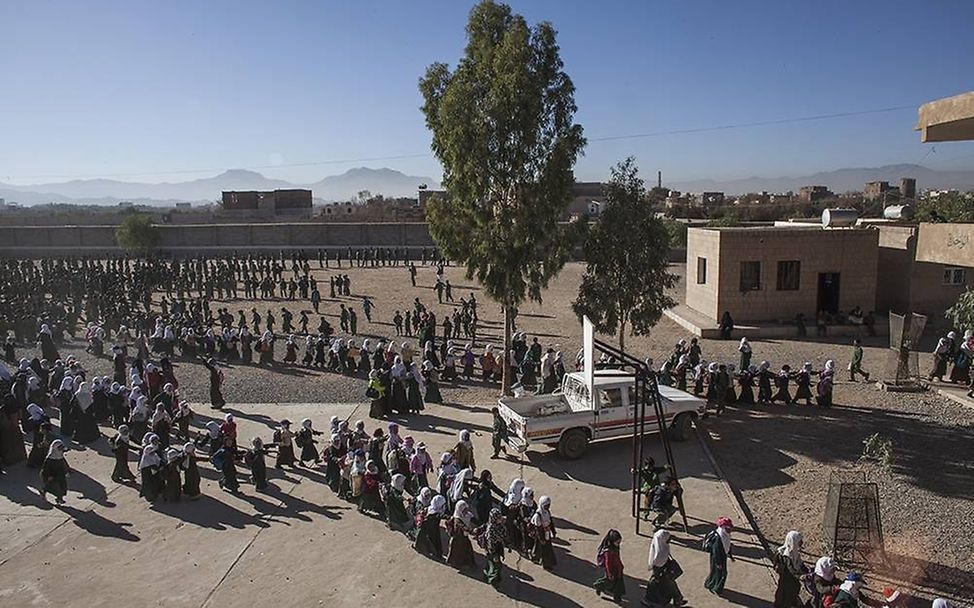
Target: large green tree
137,233
627,252
503,129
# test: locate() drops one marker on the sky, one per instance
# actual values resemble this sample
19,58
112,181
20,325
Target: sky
168,91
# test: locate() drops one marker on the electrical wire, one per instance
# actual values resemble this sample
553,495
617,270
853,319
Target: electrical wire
651,134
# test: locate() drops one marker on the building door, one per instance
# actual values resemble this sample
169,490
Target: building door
828,292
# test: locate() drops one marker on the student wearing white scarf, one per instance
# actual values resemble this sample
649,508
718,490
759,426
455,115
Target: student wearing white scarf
54,472
718,544
460,553
429,541
662,587
788,565
463,451
149,465
543,532
460,484
87,430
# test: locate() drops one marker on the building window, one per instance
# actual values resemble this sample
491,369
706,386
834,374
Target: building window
750,276
788,275
955,276
701,271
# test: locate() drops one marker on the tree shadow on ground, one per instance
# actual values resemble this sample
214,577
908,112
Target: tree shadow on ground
931,575
93,523
835,437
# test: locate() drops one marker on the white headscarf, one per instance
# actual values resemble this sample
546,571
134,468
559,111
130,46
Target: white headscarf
56,451
399,481
940,603
35,412
437,506
825,568
659,550
514,493
724,535
542,517
465,438
792,548
456,490
527,497
149,457
463,512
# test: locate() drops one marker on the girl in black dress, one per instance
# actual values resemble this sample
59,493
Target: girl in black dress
191,472
54,472
120,447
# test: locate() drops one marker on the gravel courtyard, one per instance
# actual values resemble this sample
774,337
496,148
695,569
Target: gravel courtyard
778,457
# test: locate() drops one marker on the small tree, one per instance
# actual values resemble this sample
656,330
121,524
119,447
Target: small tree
627,251
961,314
137,233
503,130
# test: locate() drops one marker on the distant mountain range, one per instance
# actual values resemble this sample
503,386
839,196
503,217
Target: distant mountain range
390,182
839,181
387,182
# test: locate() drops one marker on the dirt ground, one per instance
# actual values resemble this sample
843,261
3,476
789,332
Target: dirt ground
778,457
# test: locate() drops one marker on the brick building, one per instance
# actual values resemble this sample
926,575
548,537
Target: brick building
810,194
253,203
762,274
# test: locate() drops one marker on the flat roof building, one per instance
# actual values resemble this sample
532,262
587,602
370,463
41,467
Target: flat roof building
268,203
770,274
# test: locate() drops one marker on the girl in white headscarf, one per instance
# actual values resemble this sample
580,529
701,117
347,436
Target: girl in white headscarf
718,544
526,511
823,580
54,472
87,430
429,541
459,486
150,465
662,588
397,516
460,554
463,451
543,531
788,565
191,472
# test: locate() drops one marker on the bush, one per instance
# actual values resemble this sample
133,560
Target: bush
137,233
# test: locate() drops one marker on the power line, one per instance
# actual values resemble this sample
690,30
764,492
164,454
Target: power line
687,131
760,123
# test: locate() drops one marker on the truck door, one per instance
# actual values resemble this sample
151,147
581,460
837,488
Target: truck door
612,416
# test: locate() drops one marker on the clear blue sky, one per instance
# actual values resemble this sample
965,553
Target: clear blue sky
98,88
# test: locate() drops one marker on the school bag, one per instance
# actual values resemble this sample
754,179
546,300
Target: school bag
301,439
218,458
277,436
709,540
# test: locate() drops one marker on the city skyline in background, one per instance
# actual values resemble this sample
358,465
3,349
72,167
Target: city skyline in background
151,94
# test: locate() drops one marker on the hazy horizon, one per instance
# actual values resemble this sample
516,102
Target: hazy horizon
170,93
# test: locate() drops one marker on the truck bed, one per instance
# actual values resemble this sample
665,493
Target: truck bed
536,406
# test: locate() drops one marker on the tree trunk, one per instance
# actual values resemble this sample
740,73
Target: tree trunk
622,335
506,372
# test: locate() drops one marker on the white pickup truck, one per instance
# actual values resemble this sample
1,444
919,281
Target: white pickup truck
569,420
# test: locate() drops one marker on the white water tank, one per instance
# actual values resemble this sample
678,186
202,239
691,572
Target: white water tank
898,212
839,218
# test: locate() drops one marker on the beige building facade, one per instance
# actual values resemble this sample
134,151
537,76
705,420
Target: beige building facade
770,274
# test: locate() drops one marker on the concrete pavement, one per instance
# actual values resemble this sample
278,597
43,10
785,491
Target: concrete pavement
299,544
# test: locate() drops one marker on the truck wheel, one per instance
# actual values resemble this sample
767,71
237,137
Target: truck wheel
681,428
573,444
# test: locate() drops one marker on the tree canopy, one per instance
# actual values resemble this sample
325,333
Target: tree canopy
961,314
137,233
503,129
627,250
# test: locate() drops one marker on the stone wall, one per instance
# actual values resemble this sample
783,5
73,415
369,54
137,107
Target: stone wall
37,241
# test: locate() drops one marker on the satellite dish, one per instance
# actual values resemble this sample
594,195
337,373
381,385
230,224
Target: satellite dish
423,186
